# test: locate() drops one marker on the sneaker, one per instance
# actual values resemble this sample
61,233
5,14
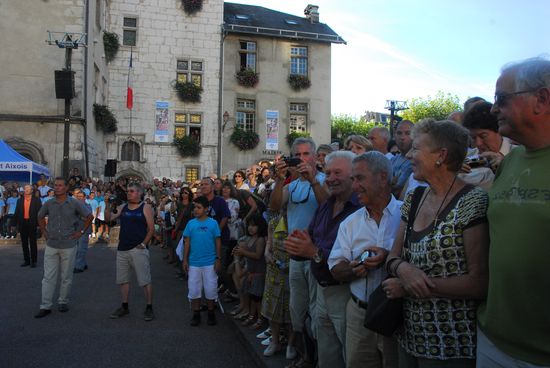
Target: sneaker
267,341
265,334
148,315
120,312
196,320
290,352
42,313
271,350
211,321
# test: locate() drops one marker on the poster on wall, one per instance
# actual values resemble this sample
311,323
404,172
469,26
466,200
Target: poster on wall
272,130
161,121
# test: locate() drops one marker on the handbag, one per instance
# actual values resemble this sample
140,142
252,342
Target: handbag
383,315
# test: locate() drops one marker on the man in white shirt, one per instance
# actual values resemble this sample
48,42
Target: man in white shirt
372,228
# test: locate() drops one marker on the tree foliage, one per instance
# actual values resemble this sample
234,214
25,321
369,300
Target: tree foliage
345,125
437,107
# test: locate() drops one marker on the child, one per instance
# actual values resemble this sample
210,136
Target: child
253,282
201,260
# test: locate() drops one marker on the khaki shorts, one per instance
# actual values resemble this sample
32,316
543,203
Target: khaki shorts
135,258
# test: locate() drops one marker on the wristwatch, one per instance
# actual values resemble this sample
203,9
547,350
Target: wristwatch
318,257
82,232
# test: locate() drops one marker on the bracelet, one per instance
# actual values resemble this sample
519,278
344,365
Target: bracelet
389,263
396,267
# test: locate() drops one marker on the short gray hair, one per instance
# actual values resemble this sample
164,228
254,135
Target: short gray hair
377,163
531,74
137,186
384,132
303,140
347,155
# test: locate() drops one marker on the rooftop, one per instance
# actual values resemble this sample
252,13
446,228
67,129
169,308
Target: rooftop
257,20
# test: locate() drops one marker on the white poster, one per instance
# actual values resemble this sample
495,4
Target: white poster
272,130
161,121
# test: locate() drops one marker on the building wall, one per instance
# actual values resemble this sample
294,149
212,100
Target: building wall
165,34
274,93
27,75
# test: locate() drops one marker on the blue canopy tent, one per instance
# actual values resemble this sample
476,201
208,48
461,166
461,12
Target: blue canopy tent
15,167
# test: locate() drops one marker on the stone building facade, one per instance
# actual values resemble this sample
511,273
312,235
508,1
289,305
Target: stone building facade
166,45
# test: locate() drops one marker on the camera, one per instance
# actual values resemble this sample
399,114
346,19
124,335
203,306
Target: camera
291,161
365,255
476,161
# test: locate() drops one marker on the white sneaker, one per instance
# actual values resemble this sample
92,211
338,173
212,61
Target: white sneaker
290,352
267,341
93,235
265,334
271,350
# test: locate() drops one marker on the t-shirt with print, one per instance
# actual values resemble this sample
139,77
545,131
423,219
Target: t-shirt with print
11,202
202,236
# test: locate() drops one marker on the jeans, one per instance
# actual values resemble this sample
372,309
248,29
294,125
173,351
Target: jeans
56,260
81,250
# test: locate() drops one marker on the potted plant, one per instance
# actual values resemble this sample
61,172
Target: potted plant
110,45
298,82
244,139
188,91
187,146
247,78
291,137
192,6
105,119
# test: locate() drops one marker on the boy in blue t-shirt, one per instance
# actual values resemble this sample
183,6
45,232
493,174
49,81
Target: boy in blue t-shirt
201,260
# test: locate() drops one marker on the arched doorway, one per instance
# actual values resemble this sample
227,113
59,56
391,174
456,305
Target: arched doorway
29,149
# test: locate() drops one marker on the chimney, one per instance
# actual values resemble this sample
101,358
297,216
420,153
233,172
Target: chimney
312,13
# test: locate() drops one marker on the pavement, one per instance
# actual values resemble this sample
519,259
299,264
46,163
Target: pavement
86,336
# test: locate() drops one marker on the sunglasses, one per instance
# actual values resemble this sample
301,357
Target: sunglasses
501,98
302,201
238,176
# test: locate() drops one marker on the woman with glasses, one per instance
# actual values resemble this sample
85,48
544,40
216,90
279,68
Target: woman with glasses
238,180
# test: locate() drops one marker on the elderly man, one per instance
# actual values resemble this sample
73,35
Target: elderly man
26,214
380,136
301,197
316,244
62,233
371,229
401,166
513,321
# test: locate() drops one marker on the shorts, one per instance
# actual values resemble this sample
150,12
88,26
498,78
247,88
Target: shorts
135,258
202,278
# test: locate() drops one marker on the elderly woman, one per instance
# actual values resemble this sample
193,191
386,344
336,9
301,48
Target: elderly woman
323,151
439,258
357,144
239,180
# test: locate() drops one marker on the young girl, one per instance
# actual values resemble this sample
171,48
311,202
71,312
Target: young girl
253,282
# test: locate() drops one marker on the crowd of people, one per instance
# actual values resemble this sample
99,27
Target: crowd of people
447,220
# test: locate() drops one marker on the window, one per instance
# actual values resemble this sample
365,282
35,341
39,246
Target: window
188,70
129,31
247,55
298,60
246,114
298,117
188,124
192,174
130,151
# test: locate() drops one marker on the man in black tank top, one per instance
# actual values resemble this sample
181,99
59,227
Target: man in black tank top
136,230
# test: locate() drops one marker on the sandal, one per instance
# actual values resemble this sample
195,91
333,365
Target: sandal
235,311
241,316
248,321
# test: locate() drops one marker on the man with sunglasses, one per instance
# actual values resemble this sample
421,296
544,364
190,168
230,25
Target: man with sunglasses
136,230
513,321
301,198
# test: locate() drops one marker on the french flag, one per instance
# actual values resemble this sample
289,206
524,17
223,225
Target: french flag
130,91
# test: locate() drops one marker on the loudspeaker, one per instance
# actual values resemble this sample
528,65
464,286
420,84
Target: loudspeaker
64,84
110,168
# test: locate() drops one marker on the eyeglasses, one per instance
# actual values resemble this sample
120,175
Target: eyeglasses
238,176
500,98
302,201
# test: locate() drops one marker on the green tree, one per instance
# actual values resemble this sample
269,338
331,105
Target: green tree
344,125
438,107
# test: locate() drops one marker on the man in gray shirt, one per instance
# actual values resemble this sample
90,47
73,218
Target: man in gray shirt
62,232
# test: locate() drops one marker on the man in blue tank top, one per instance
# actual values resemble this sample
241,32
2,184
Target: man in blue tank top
136,230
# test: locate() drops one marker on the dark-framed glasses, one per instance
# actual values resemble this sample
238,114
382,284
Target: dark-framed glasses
501,98
302,201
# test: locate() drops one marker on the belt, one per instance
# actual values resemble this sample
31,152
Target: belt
359,302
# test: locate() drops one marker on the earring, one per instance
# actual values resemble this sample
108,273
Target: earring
438,163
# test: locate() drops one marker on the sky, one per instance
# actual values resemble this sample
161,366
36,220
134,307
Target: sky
402,49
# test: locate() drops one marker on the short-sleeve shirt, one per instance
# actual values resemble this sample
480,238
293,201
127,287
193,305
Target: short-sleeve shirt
443,328
202,236
302,203
11,202
402,168
218,211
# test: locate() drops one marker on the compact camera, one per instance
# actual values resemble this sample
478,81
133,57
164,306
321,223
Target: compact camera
476,161
365,255
291,161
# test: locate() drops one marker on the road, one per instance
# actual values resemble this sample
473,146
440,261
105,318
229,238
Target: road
86,336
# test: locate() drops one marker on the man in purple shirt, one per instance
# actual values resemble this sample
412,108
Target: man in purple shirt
316,244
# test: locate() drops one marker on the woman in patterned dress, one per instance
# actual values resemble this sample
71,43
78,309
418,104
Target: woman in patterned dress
442,270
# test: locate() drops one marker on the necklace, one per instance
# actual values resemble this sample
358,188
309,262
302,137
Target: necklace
440,206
